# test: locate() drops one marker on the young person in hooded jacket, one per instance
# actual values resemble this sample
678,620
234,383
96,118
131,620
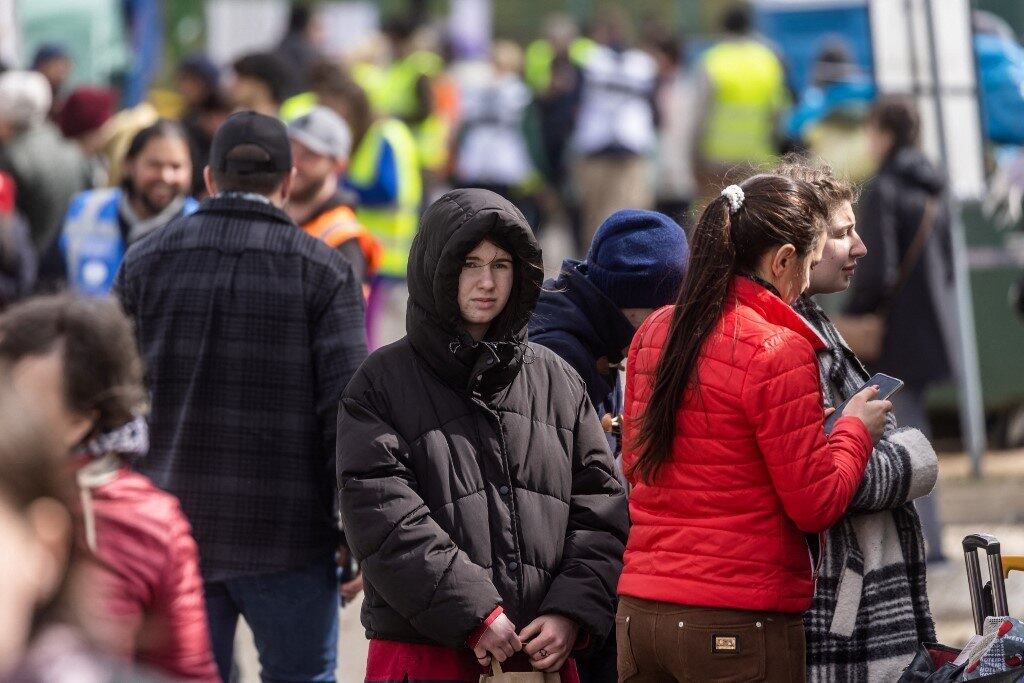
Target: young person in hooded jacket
477,490
726,452
870,608
589,314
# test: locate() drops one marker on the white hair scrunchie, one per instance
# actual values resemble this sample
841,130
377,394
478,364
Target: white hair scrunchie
734,194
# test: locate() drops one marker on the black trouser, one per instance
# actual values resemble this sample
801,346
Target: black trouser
599,666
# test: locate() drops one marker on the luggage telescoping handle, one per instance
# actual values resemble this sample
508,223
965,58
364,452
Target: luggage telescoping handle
979,604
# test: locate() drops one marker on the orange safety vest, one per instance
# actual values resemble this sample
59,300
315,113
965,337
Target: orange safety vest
336,226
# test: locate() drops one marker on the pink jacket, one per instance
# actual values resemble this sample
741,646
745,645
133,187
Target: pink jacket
146,572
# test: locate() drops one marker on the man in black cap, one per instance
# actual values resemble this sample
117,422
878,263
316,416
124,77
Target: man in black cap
250,329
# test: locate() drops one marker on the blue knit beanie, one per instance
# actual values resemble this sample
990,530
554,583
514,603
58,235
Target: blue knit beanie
637,259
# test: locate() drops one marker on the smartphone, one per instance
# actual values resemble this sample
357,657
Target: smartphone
887,386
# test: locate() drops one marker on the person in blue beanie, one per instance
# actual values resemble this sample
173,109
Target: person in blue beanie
589,313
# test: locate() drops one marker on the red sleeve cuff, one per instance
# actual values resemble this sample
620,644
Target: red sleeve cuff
859,431
474,637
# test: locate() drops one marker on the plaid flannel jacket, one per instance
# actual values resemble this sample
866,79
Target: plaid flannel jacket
249,331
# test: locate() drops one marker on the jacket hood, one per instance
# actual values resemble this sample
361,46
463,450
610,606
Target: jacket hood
450,228
914,168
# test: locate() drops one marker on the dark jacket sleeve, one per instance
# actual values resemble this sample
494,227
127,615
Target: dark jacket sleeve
353,253
877,227
584,588
122,291
53,269
339,347
407,558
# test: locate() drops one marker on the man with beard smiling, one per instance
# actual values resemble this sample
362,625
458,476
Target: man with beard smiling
101,224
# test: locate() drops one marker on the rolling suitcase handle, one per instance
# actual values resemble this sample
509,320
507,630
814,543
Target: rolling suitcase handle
990,597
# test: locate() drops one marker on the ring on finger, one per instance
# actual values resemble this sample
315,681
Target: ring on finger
543,653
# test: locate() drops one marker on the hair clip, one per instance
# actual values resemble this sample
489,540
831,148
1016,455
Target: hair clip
734,195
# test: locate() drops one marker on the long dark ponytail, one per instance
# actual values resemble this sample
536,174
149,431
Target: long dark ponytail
774,212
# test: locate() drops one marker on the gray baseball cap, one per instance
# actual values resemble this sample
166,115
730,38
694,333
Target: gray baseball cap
322,131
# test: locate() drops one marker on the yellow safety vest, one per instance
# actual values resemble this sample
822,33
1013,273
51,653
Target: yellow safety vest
297,105
373,80
393,225
540,55
399,99
747,89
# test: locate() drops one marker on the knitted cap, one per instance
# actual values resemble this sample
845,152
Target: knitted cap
638,258
86,109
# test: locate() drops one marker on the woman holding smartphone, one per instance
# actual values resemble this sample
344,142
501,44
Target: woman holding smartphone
725,449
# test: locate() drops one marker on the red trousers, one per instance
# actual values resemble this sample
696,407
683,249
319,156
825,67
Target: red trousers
390,661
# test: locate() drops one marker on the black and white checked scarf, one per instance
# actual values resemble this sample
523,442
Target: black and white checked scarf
870,608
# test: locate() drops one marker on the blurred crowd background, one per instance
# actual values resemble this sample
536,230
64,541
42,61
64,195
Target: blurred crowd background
570,108
528,98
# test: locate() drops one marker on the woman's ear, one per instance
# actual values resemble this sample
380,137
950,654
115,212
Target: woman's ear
783,259
80,428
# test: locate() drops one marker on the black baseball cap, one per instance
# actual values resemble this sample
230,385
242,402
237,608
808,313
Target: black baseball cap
251,128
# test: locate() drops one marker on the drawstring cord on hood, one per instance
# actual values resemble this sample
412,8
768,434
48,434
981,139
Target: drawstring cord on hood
108,453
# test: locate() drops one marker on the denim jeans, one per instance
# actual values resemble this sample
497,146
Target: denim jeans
294,620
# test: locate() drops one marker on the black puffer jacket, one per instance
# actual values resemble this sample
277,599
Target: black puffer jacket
473,475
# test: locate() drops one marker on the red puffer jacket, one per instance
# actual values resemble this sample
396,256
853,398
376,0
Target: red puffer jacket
149,594
751,469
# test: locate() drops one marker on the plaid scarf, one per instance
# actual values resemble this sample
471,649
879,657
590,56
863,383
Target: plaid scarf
870,608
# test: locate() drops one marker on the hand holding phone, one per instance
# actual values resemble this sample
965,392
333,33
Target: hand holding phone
871,406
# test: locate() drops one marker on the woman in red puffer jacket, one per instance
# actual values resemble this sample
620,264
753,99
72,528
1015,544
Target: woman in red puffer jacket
727,455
